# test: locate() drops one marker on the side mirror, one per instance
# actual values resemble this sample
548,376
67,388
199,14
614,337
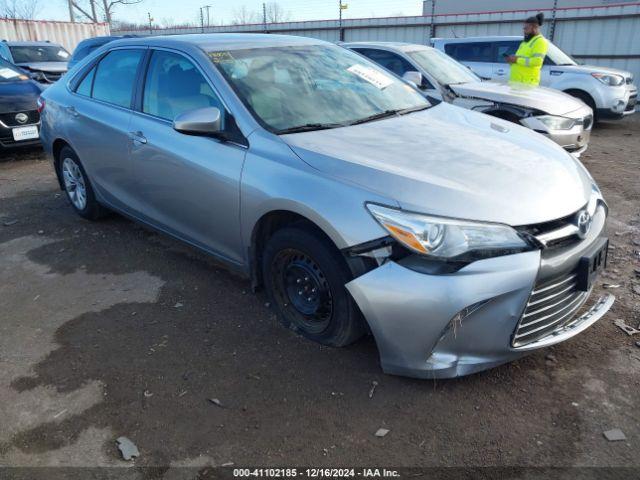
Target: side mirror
202,121
413,77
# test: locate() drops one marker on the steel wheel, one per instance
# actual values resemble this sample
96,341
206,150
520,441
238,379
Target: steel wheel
74,183
302,288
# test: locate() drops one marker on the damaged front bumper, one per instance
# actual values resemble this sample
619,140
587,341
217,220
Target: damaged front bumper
454,324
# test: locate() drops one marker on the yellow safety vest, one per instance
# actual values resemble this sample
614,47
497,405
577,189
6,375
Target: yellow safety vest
530,56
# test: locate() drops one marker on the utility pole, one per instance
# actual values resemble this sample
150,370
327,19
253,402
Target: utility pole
201,21
432,27
264,16
341,7
150,23
552,28
208,17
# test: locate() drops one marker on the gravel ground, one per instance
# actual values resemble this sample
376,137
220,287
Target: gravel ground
108,329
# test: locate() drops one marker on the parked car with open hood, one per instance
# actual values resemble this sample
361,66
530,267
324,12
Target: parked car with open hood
564,119
46,62
609,92
19,117
461,241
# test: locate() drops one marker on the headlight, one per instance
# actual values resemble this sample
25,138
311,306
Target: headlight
557,123
446,238
609,79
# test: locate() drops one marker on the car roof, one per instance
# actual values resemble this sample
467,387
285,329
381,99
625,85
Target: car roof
399,46
12,43
495,38
222,41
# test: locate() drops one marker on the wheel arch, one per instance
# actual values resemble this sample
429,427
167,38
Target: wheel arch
272,221
582,95
57,146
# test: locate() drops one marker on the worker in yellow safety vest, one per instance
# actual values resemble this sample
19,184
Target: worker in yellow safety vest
527,62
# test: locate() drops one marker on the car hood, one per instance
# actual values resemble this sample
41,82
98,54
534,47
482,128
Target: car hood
589,69
547,100
18,96
47,67
452,162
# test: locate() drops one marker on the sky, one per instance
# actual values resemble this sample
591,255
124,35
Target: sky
188,10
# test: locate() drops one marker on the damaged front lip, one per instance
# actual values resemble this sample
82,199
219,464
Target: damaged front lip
410,314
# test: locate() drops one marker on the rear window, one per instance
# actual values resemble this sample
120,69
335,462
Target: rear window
39,53
115,76
471,52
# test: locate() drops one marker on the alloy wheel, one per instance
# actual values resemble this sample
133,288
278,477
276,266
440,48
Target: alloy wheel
74,183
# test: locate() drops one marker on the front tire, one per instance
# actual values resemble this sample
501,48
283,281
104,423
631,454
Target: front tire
77,186
305,276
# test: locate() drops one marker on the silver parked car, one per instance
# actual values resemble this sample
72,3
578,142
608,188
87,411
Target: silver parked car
609,92
564,119
459,240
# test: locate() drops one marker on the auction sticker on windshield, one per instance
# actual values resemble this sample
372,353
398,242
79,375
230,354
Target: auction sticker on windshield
371,75
7,73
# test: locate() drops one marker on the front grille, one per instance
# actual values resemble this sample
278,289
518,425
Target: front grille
631,105
50,77
629,80
551,306
9,119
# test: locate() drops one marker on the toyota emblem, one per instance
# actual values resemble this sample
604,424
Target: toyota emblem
22,118
583,223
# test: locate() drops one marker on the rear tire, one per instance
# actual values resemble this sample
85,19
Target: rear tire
78,186
305,276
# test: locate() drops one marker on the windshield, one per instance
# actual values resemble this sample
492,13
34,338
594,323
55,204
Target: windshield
558,57
324,86
8,73
442,67
39,53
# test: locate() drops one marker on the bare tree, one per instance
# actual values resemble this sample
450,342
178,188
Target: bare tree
100,10
275,13
21,9
243,16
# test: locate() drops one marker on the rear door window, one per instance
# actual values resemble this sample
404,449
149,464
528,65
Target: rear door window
505,48
86,84
174,85
471,52
388,60
115,77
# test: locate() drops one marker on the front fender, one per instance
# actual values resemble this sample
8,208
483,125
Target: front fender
275,179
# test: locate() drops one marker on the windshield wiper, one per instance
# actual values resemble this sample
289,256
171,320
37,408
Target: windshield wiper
389,113
376,116
309,127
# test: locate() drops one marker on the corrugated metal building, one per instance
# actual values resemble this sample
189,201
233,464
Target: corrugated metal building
607,35
465,6
65,33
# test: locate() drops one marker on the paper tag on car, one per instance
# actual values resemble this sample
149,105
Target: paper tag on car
25,133
371,75
8,73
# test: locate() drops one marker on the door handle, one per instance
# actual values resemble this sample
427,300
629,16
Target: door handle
72,111
500,71
138,138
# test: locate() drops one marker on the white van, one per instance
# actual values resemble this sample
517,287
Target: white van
608,91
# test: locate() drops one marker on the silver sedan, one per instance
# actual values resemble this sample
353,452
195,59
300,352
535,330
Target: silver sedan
458,240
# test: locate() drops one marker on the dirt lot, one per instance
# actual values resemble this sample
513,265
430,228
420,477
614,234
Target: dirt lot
109,330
